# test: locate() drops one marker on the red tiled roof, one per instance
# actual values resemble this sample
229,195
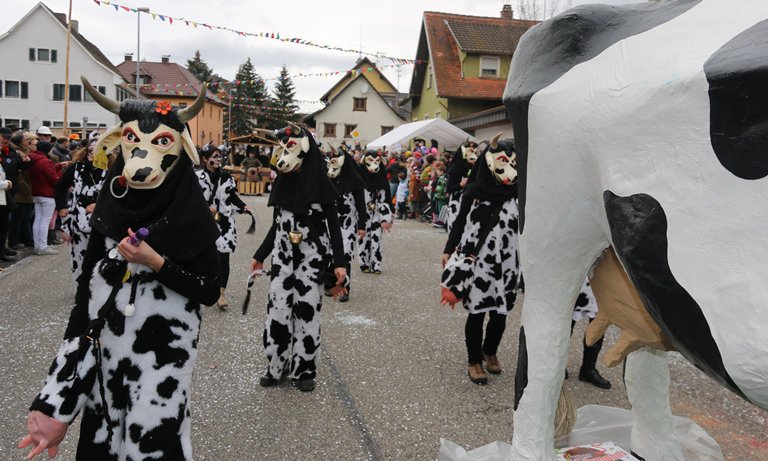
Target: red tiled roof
444,51
165,75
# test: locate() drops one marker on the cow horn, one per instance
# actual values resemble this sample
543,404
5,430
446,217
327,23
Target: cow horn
294,126
188,113
495,140
268,133
105,102
333,149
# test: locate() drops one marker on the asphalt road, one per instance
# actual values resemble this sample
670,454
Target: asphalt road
392,372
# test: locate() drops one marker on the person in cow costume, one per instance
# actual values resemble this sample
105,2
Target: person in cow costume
220,193
351,205
480,259
378,196
458,175
76,193
131,342
307,255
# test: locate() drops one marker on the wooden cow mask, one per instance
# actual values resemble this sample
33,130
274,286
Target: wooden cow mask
152,135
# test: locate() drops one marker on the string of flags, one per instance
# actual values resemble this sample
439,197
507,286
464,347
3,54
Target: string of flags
270,35
214,85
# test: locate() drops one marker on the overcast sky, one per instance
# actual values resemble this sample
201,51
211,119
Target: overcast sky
388,27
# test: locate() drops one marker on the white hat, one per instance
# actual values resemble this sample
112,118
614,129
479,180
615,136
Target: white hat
93,135
44,130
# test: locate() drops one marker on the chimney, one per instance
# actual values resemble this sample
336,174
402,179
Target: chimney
166,58
75,26
128,57
506,12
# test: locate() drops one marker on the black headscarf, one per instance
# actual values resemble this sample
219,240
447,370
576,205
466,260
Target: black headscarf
374,181
458,170
179,221
350,179
482,184
296,191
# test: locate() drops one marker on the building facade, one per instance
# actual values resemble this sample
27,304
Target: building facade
169,81
462,66
33,75
361,107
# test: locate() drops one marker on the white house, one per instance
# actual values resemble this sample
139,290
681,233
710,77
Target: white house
33,70
361,107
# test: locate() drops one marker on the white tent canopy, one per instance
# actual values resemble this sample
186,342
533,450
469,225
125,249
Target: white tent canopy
448,136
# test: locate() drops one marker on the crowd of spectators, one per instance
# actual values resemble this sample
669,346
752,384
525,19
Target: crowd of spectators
31,162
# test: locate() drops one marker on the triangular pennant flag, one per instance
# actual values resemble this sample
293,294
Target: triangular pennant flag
162,18
125,8
98,2
170,19
116,7
154,15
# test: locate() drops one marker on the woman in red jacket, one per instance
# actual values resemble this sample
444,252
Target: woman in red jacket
43,175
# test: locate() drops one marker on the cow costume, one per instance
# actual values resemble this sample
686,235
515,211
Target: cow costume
480,257
307,253
76,193
458,175
378,196
131,343
350,204
680,211
220,193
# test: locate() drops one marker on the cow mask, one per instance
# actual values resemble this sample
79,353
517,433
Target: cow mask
501,160
372,162
335,163
292,144
470,152
152,136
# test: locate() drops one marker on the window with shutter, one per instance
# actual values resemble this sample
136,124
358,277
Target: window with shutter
53,55
24,90
58,91
32,54
75,93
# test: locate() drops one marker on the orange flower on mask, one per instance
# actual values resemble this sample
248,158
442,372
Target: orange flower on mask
163,107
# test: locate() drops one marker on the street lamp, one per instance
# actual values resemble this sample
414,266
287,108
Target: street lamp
140,10
85,120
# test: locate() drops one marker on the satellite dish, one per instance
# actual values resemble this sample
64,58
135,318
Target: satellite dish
364,88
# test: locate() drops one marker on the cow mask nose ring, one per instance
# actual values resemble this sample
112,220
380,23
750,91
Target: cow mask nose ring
112,190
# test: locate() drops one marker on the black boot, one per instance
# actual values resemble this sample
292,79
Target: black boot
588,373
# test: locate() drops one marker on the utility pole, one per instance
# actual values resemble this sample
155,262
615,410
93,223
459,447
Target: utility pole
66,72
140,10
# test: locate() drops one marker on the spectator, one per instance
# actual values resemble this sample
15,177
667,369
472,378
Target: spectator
393,171
20,230
401,195
44,134
440,195
12,162
61,149
44,175
5,187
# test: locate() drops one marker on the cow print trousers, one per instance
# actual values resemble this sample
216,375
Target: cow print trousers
292,329
369,249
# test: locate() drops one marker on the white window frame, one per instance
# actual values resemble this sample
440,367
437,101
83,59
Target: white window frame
19,83
490,66
87,96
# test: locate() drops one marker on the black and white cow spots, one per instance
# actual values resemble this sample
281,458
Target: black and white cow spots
86,185
147,362
292,328
221,192
345,205
137,152
493,279
369,248
454,201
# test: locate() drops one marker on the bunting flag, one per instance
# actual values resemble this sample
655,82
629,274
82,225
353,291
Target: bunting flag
213,85
269,35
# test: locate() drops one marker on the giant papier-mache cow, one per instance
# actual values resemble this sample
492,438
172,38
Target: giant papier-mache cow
643,129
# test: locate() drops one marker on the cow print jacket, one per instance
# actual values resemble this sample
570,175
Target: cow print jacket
146,358
222,195
491,282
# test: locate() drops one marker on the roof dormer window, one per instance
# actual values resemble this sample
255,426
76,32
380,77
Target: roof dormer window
489,66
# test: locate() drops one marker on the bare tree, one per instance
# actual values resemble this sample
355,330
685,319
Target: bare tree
541,9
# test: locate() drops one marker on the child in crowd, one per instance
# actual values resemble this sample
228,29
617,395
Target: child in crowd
440,195
402,196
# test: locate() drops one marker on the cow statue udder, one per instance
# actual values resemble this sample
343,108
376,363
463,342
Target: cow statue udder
642,129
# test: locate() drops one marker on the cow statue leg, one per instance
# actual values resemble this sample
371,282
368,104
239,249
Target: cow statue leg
646,377
554,265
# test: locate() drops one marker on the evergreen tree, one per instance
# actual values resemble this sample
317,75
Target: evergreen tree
199,68
248,98
284,103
